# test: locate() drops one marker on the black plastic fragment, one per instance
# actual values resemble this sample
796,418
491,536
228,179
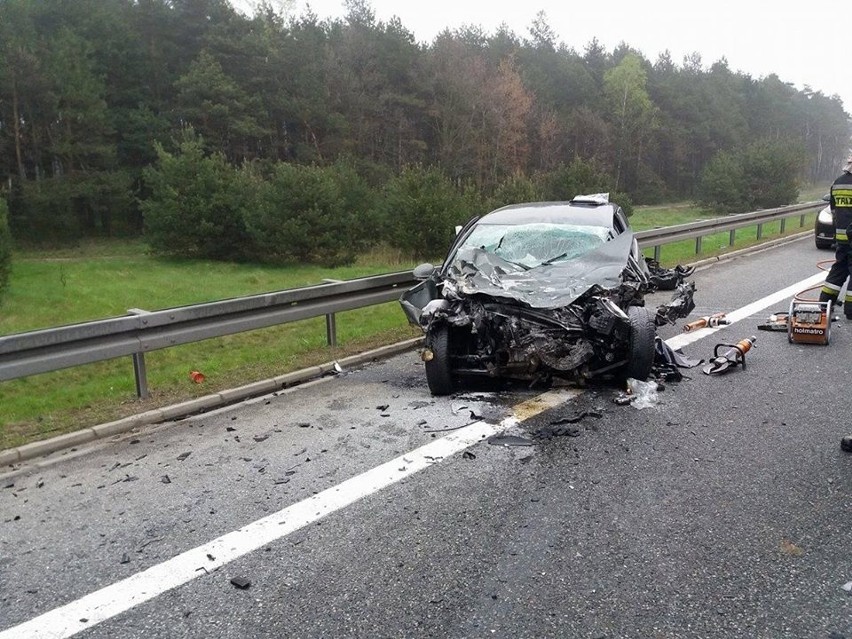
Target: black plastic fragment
846,443
240,582
183,456
260,438
165,479
468,455
125,559
549,432
509,440
573,419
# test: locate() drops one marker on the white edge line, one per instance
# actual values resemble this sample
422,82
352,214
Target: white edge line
679,341
112,600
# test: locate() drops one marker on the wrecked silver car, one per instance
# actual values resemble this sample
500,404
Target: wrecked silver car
541,290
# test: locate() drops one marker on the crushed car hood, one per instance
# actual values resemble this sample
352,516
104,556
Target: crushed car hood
475,271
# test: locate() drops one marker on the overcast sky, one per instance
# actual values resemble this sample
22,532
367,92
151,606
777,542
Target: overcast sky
800,42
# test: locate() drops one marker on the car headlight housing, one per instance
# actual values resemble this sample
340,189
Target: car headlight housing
824,216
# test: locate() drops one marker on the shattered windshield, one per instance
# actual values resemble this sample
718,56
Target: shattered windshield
531,245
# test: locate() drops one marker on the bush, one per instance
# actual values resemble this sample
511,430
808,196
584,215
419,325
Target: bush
515,190
723,184
421,209
42,212
763,175
310,214
61,209
772,174
578,177
197,204
582,177
5,248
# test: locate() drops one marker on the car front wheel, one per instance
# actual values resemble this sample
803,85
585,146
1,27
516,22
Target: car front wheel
438,369
640,354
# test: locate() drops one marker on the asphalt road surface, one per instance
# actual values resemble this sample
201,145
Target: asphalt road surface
360,506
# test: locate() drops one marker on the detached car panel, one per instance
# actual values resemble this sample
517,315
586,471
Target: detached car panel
533,291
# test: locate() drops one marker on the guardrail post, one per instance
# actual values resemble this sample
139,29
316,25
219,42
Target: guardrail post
783,224
698,245
331,320
331,329
759,231
801,220
140,372
657,252
732,237
141,375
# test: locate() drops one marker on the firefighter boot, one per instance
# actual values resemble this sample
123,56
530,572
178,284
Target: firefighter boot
826,297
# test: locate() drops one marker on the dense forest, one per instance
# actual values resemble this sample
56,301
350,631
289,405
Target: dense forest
109,107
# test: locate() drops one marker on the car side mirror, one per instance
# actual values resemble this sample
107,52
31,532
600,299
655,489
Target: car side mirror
826,197
423,271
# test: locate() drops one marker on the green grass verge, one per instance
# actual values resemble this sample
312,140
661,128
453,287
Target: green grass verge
101,279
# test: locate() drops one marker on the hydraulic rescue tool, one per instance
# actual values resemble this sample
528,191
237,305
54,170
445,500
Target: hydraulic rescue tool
809,322
711,321
730,358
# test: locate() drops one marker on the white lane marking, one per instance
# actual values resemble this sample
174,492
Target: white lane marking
679,341
121,596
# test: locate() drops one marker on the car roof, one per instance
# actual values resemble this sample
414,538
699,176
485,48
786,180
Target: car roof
581,213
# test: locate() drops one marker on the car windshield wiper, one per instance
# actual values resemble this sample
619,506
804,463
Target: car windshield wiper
551,260
523,266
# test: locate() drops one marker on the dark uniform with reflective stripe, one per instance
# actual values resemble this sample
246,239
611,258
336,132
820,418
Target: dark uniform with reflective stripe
841,208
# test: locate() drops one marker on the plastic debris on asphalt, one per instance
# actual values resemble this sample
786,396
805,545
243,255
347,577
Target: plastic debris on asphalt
509,440
241,582
644,393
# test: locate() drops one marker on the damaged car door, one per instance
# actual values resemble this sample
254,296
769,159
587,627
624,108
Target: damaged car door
536,291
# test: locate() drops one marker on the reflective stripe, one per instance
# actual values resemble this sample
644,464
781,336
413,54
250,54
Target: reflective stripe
848,298
840,235
841,195
830,289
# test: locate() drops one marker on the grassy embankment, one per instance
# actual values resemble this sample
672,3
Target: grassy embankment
104,279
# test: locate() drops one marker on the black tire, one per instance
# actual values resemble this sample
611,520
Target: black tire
438,370
640,352
823,244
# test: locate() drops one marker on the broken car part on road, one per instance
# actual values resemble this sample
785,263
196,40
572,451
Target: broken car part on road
730,358
712,321
541,290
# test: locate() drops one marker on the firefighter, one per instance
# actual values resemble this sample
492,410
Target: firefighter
841,210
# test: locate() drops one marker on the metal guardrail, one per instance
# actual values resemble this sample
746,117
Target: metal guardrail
657,237
41,351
